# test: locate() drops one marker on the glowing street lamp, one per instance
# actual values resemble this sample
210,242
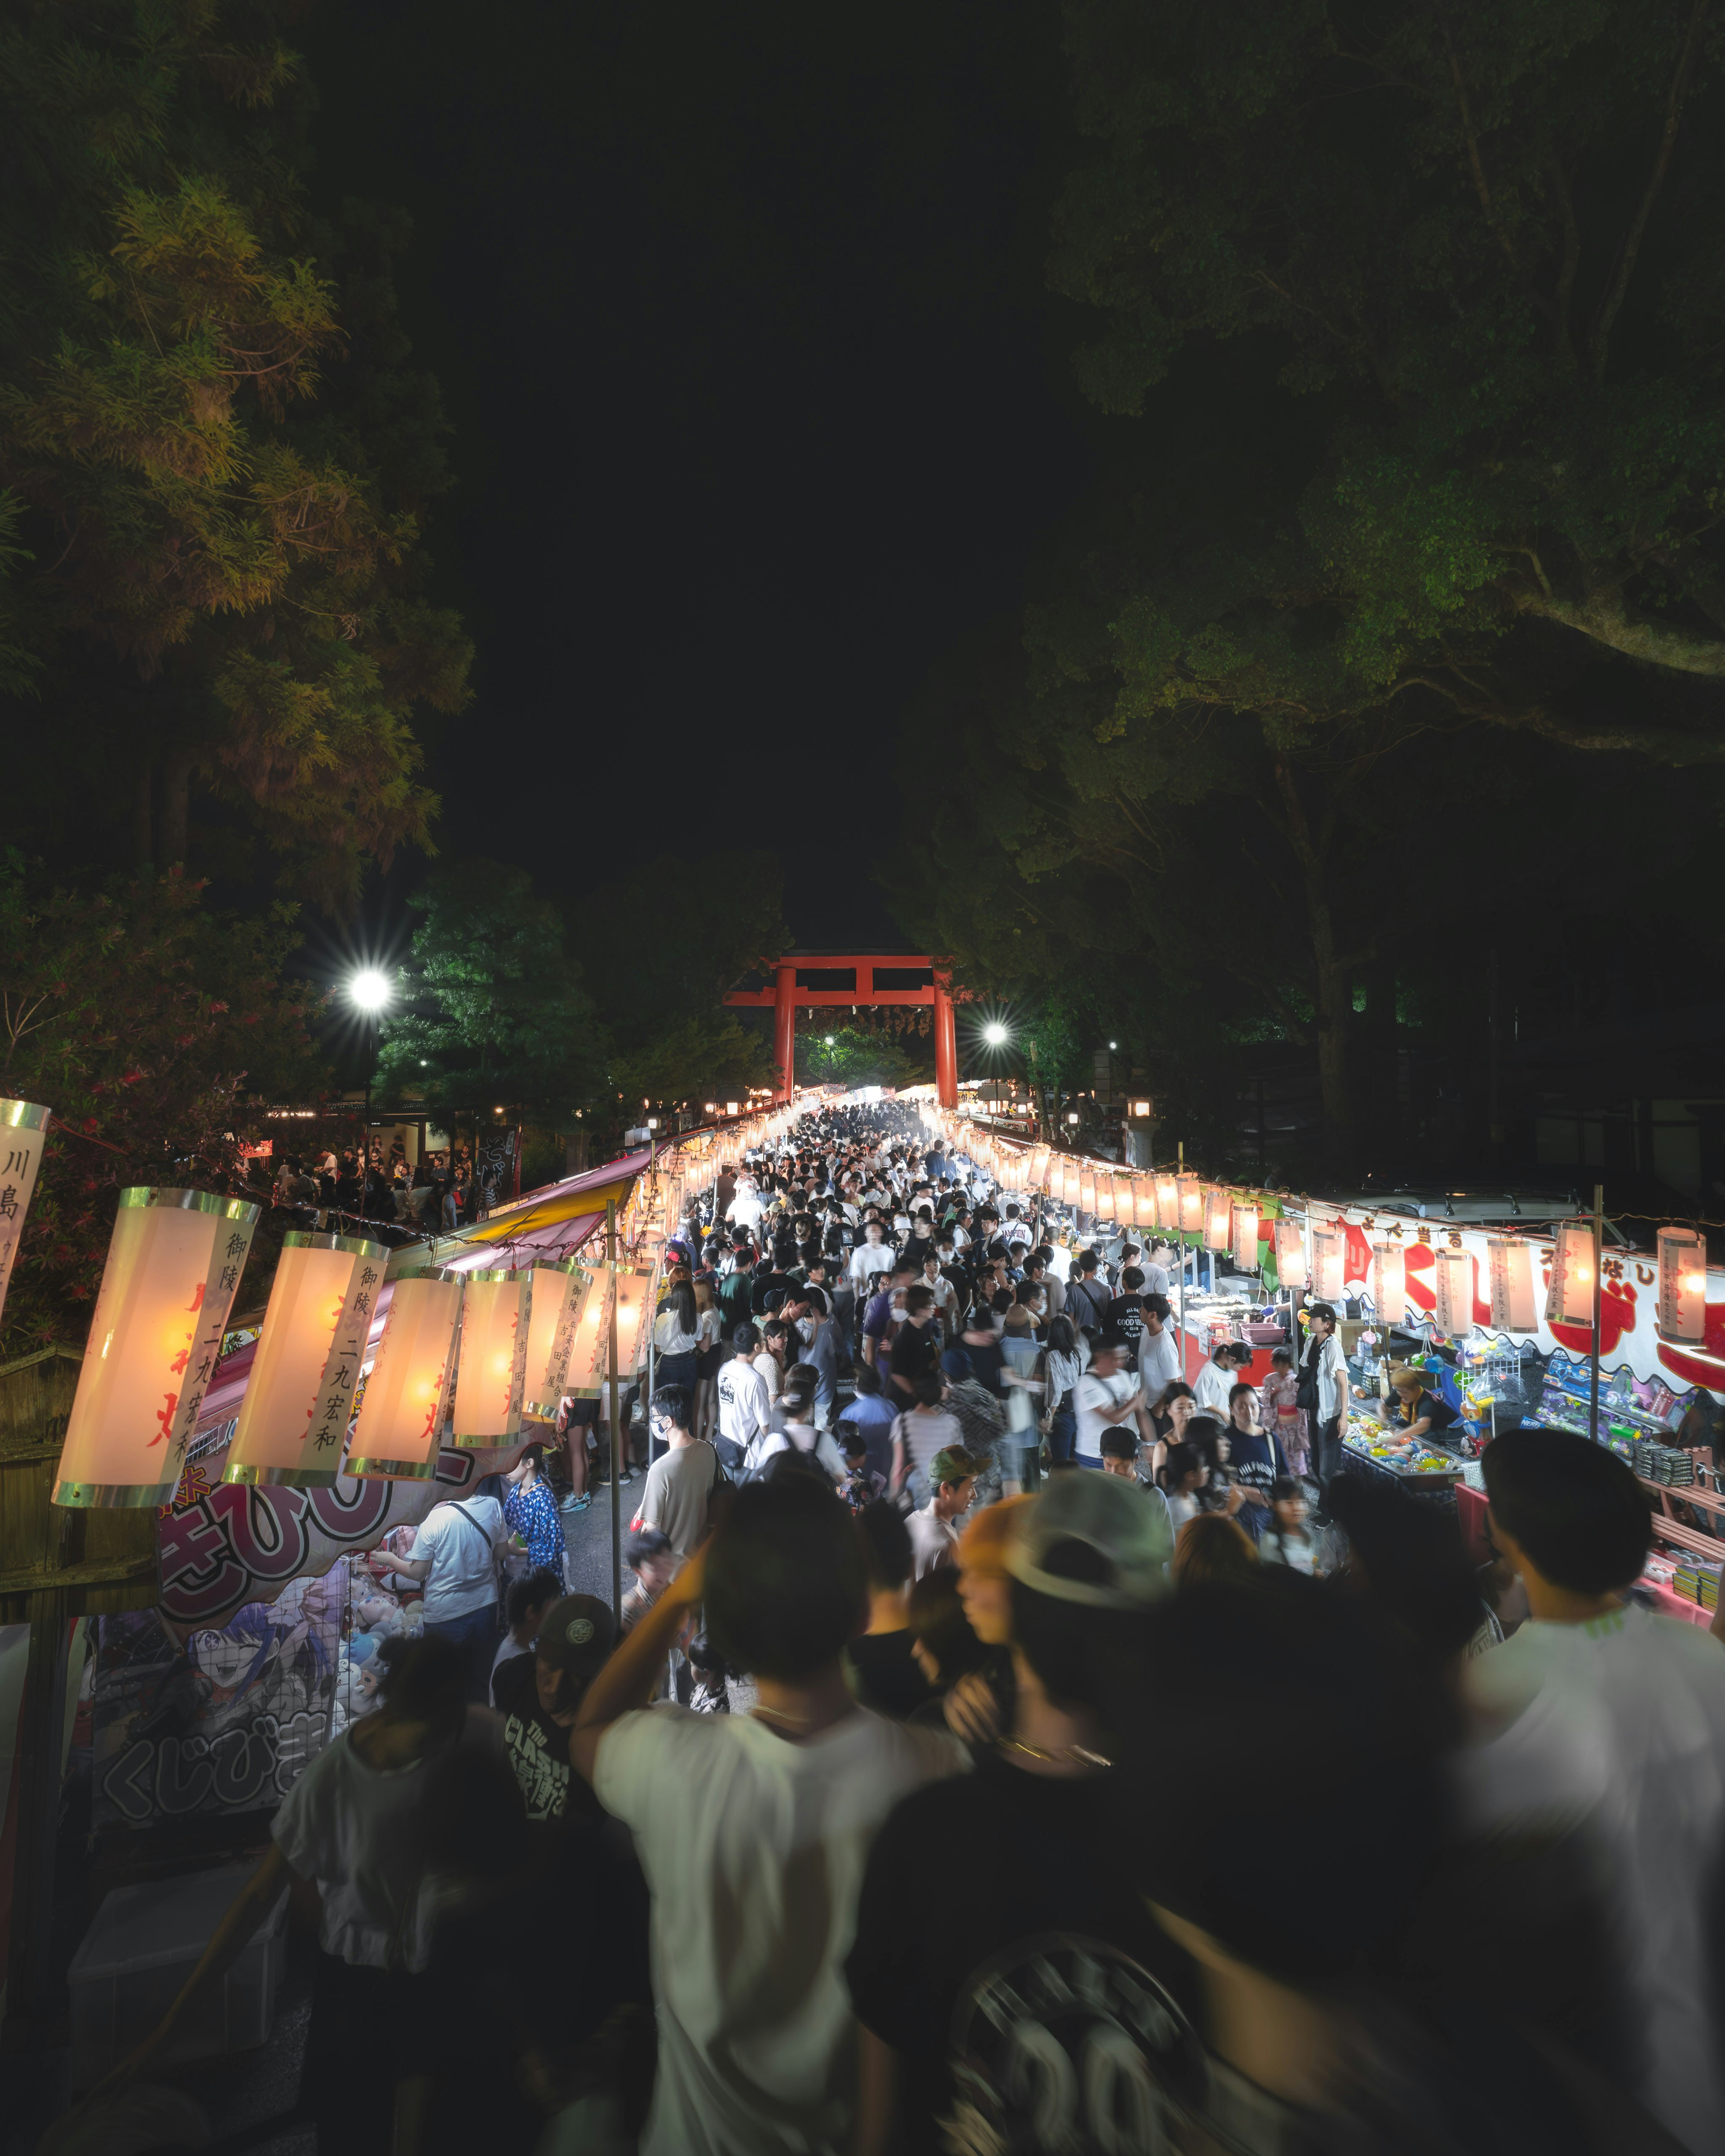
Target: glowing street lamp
994,1036
369,991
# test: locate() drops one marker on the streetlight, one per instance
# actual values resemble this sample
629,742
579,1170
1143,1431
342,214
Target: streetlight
995,1034
369,991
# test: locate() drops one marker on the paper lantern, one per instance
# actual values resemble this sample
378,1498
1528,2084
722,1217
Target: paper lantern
491,1375
1087,1191
1453,1286
1217,1218
399,1432
1245,1236
1040,1156
1191,1196
552,1285
1509,1264
635,1315
1290,1254
1570,1299
293,1421
174,1261
1389,1282
23,1131
1146,1212
1168,1202
584,1373
1682,1286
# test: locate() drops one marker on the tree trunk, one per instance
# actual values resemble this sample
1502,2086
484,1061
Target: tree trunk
1335,1013
143,822
1333,972
175,808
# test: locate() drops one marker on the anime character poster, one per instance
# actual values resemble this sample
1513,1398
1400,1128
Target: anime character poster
221,1720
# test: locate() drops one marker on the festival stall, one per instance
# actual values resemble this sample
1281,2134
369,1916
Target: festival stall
1559,1325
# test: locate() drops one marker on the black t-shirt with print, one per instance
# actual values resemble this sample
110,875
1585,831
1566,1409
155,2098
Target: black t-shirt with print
1126,1316
1001,1951
916,1351
537,1748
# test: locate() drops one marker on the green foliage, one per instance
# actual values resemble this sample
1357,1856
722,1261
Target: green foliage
660,961
222,461
1469,252
856,1056
157,1031
491,1009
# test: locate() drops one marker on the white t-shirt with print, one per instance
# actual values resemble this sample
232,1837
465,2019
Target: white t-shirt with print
754,1848
1094,1394
463,1573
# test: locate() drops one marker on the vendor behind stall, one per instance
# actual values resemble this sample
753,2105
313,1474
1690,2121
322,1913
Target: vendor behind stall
1413,1411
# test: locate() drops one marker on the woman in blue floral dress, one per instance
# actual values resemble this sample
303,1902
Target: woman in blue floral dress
531,1512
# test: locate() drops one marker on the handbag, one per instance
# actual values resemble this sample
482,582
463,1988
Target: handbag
1306,1389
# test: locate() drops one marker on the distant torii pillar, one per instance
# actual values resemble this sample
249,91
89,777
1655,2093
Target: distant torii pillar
844,980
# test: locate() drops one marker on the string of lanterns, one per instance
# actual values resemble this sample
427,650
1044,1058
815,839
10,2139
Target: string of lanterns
1313,1256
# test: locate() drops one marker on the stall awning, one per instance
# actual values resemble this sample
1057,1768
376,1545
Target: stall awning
548,1222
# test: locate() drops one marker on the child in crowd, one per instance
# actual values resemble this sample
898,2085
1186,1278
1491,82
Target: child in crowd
1282,1416
1288,1540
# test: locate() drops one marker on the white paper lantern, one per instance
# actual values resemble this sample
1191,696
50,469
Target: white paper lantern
491,1376
1146,1214
1087,1191
1453,1289
584,1371
399,1432
24,1131
1217,1218
1509,1264
1167,1204
1244,1232
1291,1255
1389,1282
1329,1265
634,1312
1570,1299
1682,1286
174,1261
293,1420
1191,1196
553,1286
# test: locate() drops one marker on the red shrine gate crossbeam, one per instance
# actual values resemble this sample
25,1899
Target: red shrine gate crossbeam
832,980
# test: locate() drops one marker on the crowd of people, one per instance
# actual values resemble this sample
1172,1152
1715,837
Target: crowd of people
1007,1746
440,1193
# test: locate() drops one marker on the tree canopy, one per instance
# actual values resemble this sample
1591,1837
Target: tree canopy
214,460
1410,321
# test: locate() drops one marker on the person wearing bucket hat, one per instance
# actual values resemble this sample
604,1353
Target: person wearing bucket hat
538,1696
934,1530
1036,1912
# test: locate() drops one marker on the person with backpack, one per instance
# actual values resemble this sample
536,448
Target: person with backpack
455,1557
1088,1296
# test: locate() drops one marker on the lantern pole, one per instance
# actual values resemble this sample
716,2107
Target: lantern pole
1593,1404
616,1422
1180,1161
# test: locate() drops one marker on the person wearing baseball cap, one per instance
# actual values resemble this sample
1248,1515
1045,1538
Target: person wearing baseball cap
1037,1911
934,1530
538,1696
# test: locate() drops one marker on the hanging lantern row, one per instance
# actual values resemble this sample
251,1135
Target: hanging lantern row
174,1261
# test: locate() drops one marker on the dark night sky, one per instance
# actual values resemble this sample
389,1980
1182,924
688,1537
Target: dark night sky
760,403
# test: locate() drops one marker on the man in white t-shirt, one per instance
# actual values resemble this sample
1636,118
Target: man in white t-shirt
1607,1728
754,1829
873,1255
454,1554
746,1209
745,1405
1107,1394
1158,1348
934,1530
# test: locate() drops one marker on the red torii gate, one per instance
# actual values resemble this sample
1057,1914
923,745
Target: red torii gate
788,992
